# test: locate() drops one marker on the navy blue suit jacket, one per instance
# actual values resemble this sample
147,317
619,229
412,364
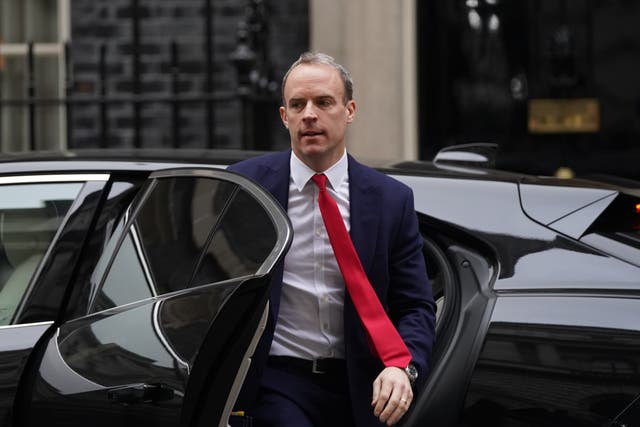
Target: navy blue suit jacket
384,231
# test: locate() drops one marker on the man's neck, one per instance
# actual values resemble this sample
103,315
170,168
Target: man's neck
319,164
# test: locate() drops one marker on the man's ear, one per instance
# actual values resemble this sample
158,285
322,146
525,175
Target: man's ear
283,117
351,110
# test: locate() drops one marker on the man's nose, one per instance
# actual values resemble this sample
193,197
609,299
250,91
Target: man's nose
309,112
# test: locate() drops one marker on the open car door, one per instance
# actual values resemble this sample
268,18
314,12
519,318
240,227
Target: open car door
176,306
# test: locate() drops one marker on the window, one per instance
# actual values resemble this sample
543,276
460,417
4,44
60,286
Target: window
30,215
617,229
240,244
188,232
45,23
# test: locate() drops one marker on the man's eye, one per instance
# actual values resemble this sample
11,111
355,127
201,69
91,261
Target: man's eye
324,102
296,105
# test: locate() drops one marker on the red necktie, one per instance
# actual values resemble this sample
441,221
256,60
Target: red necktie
384,339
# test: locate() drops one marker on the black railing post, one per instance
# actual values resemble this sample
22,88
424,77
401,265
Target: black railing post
265,99
244,59
104,127
31,95
256,88
137,107
175,91
209,55
68,90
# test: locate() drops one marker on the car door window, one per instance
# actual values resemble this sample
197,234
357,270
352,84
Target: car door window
187,232
30,215
240,243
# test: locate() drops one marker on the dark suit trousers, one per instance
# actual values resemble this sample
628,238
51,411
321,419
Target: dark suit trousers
293,397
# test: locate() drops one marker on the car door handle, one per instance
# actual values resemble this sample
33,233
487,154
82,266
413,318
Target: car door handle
140,393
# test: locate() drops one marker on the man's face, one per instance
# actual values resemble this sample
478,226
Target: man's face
316,115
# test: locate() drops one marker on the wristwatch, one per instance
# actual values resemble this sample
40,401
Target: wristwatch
411,372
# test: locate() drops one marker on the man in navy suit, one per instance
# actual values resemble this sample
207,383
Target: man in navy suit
313,365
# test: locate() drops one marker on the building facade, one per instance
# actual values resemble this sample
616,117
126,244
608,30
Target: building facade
145,73
552,82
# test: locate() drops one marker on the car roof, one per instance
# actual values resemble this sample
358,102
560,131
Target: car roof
143,160
147,160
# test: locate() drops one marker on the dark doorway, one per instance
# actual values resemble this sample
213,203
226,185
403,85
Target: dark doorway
552,82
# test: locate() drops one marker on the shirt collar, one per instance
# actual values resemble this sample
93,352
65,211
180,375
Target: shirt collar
301,173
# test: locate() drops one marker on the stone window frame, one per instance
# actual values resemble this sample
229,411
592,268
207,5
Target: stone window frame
14,129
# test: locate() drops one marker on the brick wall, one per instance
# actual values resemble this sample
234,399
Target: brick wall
109,23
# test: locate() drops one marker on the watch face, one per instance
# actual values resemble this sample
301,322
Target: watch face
412,372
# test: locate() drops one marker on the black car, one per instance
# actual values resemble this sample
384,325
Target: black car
133,289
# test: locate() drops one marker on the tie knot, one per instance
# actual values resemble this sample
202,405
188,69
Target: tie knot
321,181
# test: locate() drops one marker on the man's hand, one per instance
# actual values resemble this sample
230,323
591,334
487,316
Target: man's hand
392,395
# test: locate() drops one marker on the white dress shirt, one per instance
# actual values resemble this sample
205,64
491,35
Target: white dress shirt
310,321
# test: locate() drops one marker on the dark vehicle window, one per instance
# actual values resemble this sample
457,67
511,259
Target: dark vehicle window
188,232
30,215
127,280
617,230
240,243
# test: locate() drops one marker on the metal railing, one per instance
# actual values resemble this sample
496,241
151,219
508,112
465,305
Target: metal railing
250,58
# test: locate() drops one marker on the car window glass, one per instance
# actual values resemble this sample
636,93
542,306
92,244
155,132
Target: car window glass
30,215
127,281
617,230
103,263
163,244
240,244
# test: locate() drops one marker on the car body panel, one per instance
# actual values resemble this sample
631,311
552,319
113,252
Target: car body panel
580,369
530,255
576,223
16,345
133,363
548,203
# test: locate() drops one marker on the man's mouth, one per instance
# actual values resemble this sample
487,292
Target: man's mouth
311,133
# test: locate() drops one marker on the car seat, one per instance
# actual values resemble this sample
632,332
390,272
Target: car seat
25,235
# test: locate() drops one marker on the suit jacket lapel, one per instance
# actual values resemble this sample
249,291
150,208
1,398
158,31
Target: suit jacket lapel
275,178
364,202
